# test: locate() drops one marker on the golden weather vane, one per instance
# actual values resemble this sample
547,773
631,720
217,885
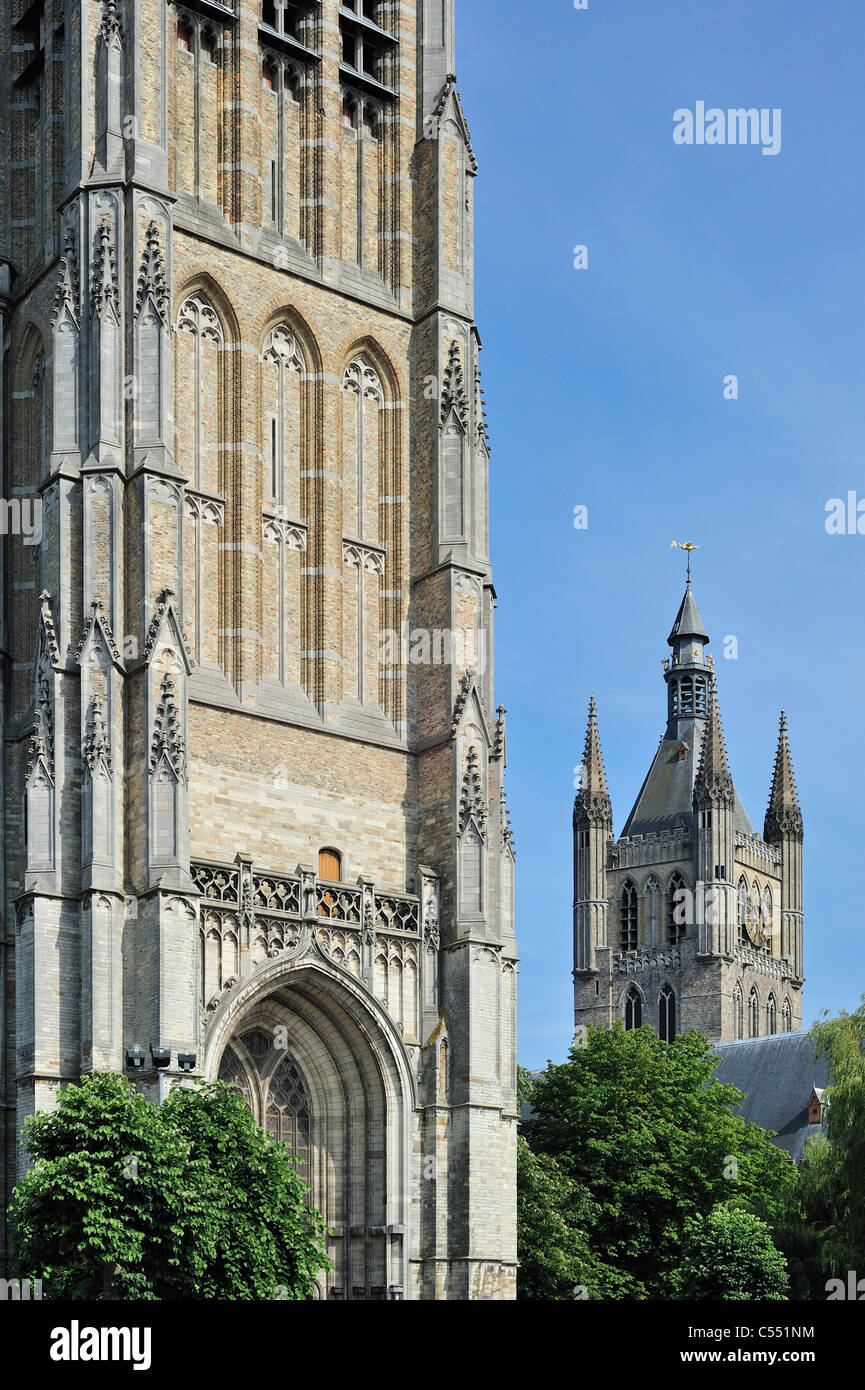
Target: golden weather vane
687,546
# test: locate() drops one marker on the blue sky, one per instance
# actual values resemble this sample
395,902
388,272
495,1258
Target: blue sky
605,389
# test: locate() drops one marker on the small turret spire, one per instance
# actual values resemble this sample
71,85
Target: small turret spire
783,815
713,783
592,802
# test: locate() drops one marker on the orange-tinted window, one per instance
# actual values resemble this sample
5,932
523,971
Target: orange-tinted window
329,865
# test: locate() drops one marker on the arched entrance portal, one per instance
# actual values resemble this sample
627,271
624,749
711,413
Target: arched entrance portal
321,1068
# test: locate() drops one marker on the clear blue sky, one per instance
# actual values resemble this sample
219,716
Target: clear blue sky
605,388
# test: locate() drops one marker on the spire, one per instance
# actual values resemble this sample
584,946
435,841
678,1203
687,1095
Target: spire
713,782
783,816
592,802
688,622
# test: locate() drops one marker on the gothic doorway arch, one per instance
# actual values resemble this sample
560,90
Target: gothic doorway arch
321,1067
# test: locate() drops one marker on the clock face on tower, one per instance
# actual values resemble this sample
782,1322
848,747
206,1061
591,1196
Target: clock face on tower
754,924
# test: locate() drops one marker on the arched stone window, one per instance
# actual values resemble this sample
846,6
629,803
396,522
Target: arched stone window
687,696
753,1013
771,1016
742,911
198,107
633,1008
363,153
677,912
628,928
284,147
738,1013
233,1073
786,1017
363,477
199,431
287,1115
284,380
652,894
667,1014
699,696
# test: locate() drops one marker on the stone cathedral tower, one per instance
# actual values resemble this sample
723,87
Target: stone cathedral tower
252,784
690,919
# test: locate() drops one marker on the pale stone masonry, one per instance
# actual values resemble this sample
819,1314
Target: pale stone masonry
690,918
241,374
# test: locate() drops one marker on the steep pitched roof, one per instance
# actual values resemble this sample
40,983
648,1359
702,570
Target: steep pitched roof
777,1075
688,621
666,798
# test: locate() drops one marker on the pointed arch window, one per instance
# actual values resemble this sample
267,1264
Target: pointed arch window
786,1017
677,924
687,696
766,909
699,697
628,918
653,902
633,1008
667,1014
284,373
738,1014
753,1014
199,432
771,1016
287,1114
742,912
232,1072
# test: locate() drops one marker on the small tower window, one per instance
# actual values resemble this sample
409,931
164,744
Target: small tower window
628,917
667,1015
633,1008
677,923
682,752
738,1014
700,696
771,1016
674,702
687,704
330,865
742,912
753,1015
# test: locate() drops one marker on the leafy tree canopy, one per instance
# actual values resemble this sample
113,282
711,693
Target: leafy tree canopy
649,1138
729,1255
186,1200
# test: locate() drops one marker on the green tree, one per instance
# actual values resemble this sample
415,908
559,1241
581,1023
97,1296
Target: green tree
824,1230
729,1255
187,1200
649,1137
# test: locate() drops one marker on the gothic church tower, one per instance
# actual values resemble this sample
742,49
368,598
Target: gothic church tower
690,919
252,784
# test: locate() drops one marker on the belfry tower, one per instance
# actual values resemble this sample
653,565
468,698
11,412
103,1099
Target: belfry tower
252,781
690,918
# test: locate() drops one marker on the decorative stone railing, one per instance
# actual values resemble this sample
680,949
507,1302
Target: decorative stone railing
763,963
635,962
753,851
302,896
666,847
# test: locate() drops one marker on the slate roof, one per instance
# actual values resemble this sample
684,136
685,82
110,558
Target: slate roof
666,797
777,1075
688,621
